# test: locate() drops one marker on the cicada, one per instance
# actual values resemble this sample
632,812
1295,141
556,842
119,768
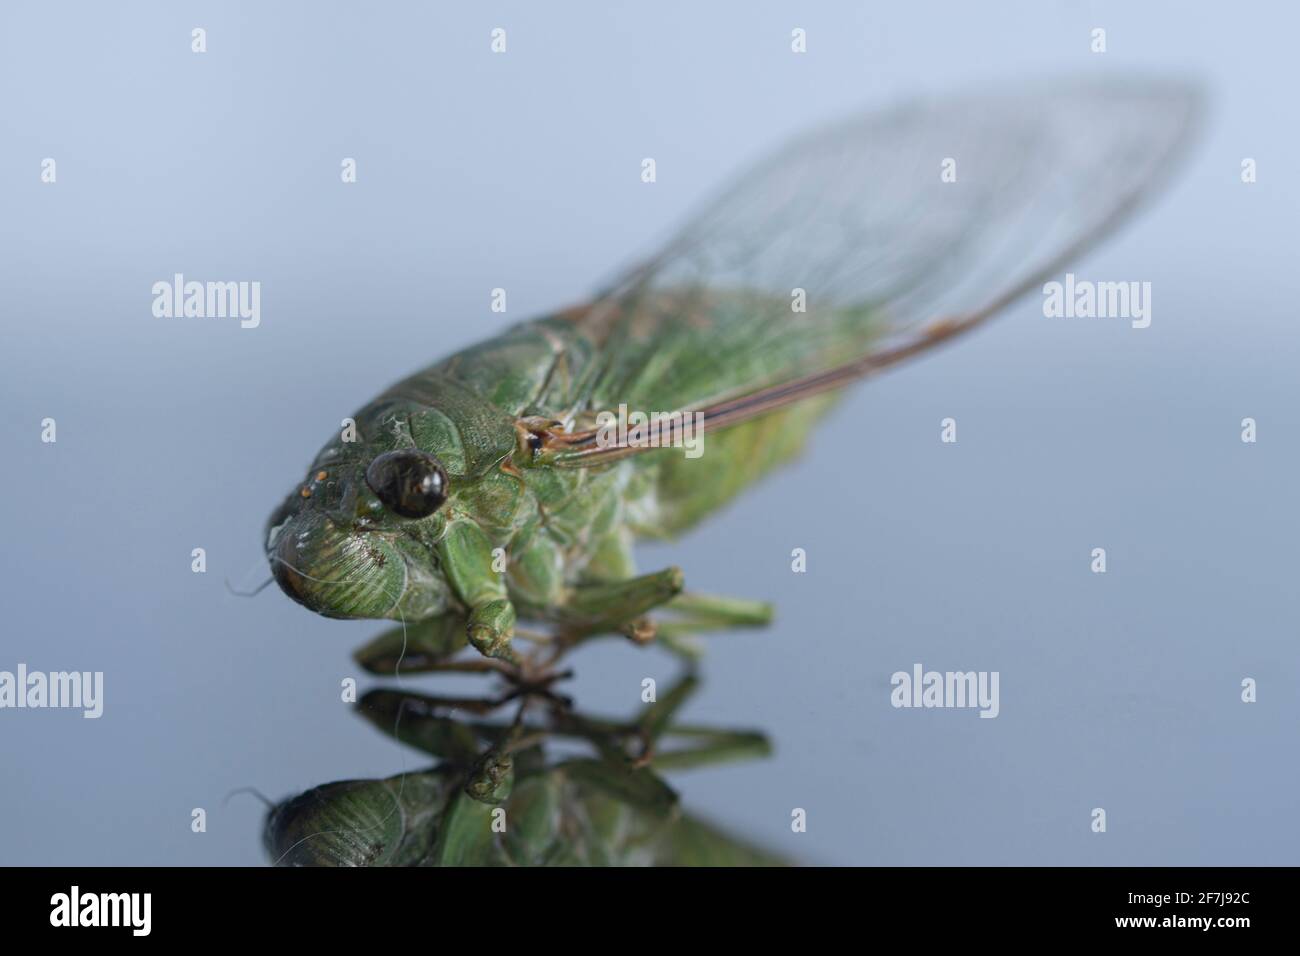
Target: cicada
489,486
496,797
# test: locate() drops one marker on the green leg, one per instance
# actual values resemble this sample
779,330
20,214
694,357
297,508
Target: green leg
693,613
614,606
711,612
491,625
466,556
620,606
709,746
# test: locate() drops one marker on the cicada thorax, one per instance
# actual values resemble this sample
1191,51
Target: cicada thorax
662,356
541,523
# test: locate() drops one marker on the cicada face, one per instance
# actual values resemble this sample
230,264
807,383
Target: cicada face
354,539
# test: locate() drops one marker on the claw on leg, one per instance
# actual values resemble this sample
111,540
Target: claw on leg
641,631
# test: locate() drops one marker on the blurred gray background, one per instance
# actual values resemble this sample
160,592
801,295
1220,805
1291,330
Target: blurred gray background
475,171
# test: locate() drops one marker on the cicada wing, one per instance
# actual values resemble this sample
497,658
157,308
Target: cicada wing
872,239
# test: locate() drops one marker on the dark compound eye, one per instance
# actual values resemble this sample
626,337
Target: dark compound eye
409,482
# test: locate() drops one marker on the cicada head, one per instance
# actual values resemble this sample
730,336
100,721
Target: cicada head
357,823
355,538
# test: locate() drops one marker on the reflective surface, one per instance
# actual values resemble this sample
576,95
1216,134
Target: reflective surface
1119,691
548,786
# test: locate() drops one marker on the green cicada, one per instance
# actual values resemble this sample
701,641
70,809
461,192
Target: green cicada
511,480
496,797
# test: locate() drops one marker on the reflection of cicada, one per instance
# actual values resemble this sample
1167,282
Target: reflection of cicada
495,797
483,486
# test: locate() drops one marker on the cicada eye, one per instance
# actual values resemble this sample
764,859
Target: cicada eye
409,482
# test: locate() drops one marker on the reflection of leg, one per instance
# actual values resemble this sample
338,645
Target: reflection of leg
713,747
419,646
703,746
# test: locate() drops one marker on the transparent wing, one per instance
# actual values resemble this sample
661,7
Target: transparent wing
925,220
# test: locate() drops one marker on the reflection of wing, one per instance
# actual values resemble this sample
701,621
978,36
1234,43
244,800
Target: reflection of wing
891,257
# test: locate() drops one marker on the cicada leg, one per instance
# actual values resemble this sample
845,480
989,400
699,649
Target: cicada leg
617,606
712,612
693,613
